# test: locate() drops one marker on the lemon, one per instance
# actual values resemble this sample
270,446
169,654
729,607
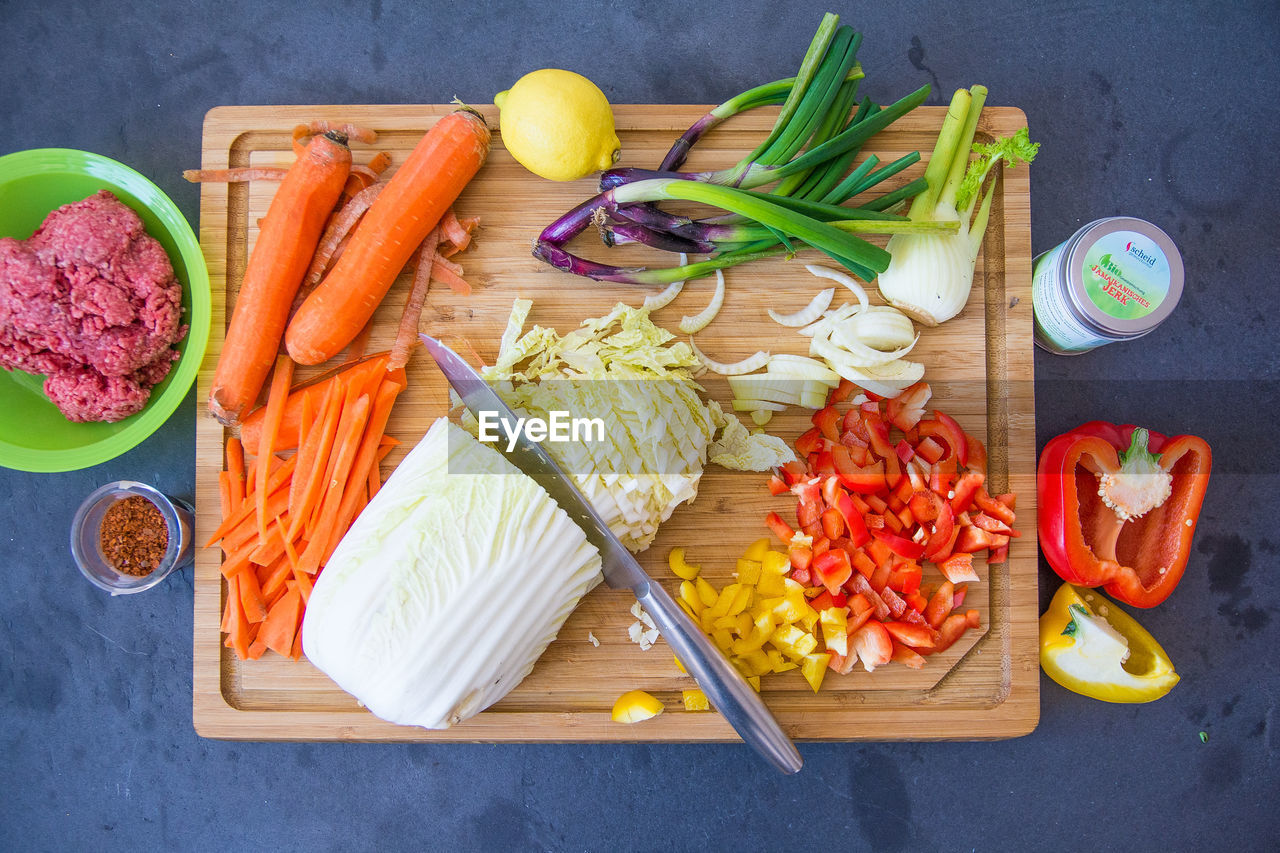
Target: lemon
636,706
558,125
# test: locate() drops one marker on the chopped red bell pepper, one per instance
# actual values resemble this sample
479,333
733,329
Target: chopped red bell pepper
958,568
1134,539
940,604
900,545
833,570
777,486
906,578
945,427
930,451
828,423
965,489
780,528
905,410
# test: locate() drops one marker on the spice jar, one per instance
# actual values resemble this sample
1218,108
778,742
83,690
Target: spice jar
1115,279
127,537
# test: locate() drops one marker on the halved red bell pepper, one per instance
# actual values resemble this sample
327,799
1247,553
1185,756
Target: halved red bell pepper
1135,538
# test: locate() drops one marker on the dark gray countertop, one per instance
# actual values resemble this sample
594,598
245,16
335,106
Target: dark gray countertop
1157,110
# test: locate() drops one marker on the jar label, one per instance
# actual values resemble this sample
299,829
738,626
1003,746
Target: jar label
1055,327
1126,275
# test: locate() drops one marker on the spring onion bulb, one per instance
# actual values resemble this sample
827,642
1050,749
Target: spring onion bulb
930,274
699,321
761,417
661,300
841,278
748,364
809,313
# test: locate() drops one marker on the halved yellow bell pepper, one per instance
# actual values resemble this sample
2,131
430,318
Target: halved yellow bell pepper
1092,647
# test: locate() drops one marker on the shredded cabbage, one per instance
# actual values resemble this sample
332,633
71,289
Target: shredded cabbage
633,375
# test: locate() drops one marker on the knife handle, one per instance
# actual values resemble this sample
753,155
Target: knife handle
725,687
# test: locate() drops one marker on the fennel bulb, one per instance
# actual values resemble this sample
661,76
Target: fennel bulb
449,585
930,274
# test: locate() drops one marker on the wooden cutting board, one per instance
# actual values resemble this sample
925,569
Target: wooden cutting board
979,364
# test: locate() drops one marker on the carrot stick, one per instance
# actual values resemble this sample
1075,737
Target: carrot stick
276,266
415,198
239,624
366,458
224,492
325,437
256,649
308,448
246,532
287,438
235,467
407,334
375,474
255,609
279,393
296,653
273,577
338,228
228,617
282,623
226,176
327,512
279,477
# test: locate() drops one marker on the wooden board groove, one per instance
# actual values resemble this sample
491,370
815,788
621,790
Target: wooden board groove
980,365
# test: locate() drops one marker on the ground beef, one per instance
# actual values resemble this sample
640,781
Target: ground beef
91,302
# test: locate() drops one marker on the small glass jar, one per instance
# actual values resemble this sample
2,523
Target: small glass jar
1115,279
86,539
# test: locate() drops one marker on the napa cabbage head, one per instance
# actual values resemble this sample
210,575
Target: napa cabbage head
449,585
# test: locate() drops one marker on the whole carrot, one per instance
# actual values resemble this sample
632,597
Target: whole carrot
410,206
286,243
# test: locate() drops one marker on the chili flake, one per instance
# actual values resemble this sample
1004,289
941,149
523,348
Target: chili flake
134,536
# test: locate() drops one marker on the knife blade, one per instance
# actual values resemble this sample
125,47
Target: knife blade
724,686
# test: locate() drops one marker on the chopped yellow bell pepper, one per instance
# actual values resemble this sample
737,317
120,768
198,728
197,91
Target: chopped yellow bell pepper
775,563
754,681
757,550
695,700
835,630
749,572
679,567
706,592
689,595
778,662
814,668
679,665
1092,647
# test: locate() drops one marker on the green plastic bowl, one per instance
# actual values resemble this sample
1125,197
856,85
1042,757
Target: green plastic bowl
34,436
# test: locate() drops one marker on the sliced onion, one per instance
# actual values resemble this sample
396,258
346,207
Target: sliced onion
840,278
886,380
809,313
748,364
654,301
855,353
761,418
803,366
699,321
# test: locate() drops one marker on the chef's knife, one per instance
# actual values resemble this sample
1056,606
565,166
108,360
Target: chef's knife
723,684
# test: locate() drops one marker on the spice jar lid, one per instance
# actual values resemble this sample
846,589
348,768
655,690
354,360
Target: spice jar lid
86,541
1124,275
